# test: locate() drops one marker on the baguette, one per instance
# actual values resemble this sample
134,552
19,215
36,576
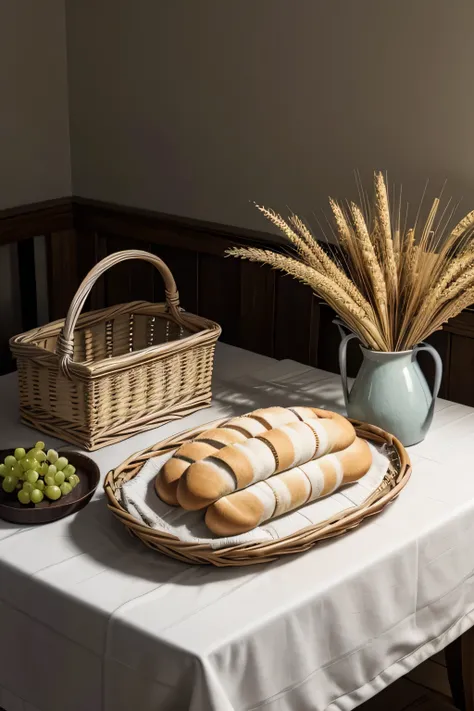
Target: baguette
244,510
239,465
207,443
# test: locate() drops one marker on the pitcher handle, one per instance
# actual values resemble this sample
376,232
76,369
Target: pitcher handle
340,327
423,346
343,365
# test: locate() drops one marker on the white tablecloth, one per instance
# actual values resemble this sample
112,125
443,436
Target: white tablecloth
90,620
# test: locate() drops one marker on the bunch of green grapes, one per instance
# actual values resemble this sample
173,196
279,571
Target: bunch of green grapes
36,474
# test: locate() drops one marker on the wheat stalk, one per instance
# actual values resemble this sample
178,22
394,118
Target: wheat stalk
371,267
394,284
329,268
303,249
383,218
463,225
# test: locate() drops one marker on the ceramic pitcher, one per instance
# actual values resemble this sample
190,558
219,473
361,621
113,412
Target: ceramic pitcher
390,390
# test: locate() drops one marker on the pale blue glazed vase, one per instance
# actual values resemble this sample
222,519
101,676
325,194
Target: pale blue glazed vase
390,390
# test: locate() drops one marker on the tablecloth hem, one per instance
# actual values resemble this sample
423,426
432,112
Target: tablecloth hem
419,656
402,666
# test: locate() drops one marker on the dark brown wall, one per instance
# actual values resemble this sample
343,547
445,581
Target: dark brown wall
34,116
196,108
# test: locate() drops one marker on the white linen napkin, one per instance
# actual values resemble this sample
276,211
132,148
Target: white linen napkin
141,501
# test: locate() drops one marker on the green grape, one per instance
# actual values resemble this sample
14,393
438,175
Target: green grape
68,470
40,455
32,453
19,453
59,478
52,455
3,470
52,470
61,463
28,463
40,445
39,485
49,480
23,497
17,470
36,496
44,468
28,487
9,483
66,488
74,480
53,492
10,461
32,476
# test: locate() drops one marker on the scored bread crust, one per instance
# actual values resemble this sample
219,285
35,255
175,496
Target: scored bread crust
244,510
237,429
237,466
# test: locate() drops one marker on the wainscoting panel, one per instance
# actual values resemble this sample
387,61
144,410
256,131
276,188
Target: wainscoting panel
62,271
184,266
258,308
294,312
461,374
219,287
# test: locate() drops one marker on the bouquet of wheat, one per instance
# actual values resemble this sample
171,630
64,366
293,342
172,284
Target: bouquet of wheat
392,285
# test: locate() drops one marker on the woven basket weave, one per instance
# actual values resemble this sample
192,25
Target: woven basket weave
395,479
98,378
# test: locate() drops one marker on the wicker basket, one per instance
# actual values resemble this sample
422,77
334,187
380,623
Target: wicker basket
252,553
98,378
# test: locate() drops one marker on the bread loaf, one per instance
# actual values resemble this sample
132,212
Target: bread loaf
244,510
207,443
239,465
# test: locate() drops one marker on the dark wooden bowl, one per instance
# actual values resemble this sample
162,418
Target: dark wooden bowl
48,511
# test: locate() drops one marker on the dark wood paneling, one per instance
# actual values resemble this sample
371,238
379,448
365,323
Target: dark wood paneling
328,340
461,373
27,283
257,308
462,325
454,667
86,252
131,280
118,281
219,294
62,271
315,331
142,278
168,230
98,294
28,221
136,279
86,247
184,267
21,225
293,319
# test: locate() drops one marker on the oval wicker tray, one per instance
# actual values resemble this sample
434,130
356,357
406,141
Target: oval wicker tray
397,476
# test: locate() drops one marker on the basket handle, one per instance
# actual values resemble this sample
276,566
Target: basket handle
65,342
